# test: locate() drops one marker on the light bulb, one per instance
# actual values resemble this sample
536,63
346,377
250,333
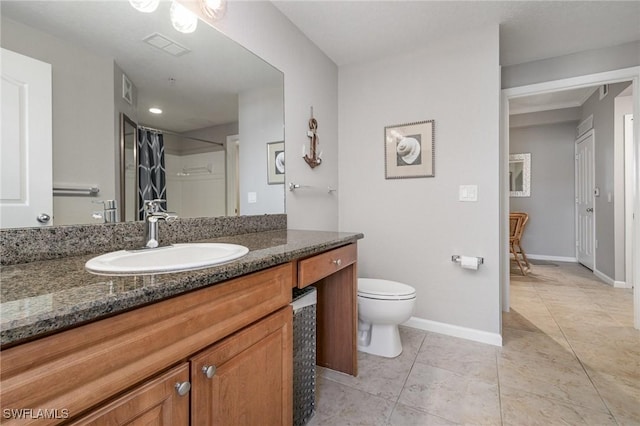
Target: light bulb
182,18
214,9
146,6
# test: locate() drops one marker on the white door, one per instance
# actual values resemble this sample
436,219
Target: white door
26,194
585,186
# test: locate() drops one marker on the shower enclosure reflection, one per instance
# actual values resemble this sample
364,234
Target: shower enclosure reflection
128,181
194,184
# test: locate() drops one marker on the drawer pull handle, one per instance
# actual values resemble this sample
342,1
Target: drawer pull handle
337,262
209,371
183,388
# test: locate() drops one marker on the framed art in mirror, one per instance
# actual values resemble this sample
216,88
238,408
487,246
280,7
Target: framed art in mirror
520,175
275,163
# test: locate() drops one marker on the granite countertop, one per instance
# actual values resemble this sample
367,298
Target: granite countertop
42,297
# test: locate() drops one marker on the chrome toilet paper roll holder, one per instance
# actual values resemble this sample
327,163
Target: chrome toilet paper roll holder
457,259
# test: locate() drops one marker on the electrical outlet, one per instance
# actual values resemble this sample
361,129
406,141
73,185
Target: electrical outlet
468,193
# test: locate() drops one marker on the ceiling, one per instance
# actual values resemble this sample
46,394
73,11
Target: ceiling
549,101
359,30
356,31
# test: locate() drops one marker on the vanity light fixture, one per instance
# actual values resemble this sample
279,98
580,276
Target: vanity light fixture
155,110
182,18
146,6
214,9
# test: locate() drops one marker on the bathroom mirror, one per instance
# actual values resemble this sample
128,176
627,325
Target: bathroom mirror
520,175
108,60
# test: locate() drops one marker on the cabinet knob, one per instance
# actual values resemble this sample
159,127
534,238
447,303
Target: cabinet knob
337,262
183,388
209,371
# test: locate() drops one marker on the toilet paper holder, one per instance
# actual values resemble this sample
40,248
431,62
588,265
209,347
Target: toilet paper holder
456,258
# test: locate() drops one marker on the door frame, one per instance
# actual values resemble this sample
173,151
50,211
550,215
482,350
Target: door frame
232,168
588,134
626,74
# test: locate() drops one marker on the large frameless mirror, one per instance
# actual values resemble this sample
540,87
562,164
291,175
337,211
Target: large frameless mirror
221,107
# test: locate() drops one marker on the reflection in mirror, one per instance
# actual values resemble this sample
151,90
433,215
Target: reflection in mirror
520,175
128,163
108,59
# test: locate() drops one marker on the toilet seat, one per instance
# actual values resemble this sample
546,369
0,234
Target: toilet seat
371,288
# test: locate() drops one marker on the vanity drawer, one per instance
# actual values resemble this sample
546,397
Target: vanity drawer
318,267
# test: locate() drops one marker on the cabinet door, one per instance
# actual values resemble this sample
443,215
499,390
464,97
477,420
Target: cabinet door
246,379
157,402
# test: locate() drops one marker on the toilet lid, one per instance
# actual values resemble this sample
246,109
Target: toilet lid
384,289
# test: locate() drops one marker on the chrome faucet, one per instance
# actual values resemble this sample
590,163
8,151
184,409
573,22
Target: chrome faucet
152,215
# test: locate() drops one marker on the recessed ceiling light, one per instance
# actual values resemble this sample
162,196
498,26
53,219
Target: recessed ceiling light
155,110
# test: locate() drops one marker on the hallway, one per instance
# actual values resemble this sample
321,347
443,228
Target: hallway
570,357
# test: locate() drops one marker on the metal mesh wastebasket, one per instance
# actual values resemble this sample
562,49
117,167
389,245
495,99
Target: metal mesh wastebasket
304,354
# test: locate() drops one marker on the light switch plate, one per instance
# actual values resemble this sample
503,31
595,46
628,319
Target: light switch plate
252,197
468,193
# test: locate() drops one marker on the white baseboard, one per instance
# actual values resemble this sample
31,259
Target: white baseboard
455,331
552,258
621,284
603,277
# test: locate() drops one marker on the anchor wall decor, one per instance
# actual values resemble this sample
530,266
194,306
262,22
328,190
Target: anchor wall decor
313,158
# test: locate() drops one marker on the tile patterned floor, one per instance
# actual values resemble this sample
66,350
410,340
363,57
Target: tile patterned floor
570,356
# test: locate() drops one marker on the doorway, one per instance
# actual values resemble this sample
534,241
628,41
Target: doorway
584,184
629,74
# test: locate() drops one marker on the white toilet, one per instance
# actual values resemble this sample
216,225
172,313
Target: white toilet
382,306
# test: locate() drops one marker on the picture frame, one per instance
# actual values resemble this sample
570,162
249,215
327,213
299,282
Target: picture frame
520,175
127,89
409,150
275,163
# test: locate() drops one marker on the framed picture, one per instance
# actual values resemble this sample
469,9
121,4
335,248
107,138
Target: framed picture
127,89
409,150
275,163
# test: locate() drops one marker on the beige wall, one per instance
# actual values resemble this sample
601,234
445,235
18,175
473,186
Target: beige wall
260,117
413,226
574,65
603,124
550,230
310,80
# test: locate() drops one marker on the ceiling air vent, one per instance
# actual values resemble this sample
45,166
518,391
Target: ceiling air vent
166,44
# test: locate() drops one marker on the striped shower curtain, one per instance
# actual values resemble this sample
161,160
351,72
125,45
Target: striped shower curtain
152,182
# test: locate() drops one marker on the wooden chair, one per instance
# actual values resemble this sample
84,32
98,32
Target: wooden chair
517,222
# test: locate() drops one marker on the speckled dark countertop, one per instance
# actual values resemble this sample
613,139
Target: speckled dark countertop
46,296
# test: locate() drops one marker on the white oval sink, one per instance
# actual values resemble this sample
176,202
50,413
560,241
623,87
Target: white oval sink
175,258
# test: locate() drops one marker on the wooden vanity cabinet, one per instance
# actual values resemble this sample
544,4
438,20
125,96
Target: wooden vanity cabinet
246,379
117,361
156,402
243,380
335,276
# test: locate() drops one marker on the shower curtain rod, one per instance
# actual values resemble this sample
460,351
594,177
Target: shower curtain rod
178,134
